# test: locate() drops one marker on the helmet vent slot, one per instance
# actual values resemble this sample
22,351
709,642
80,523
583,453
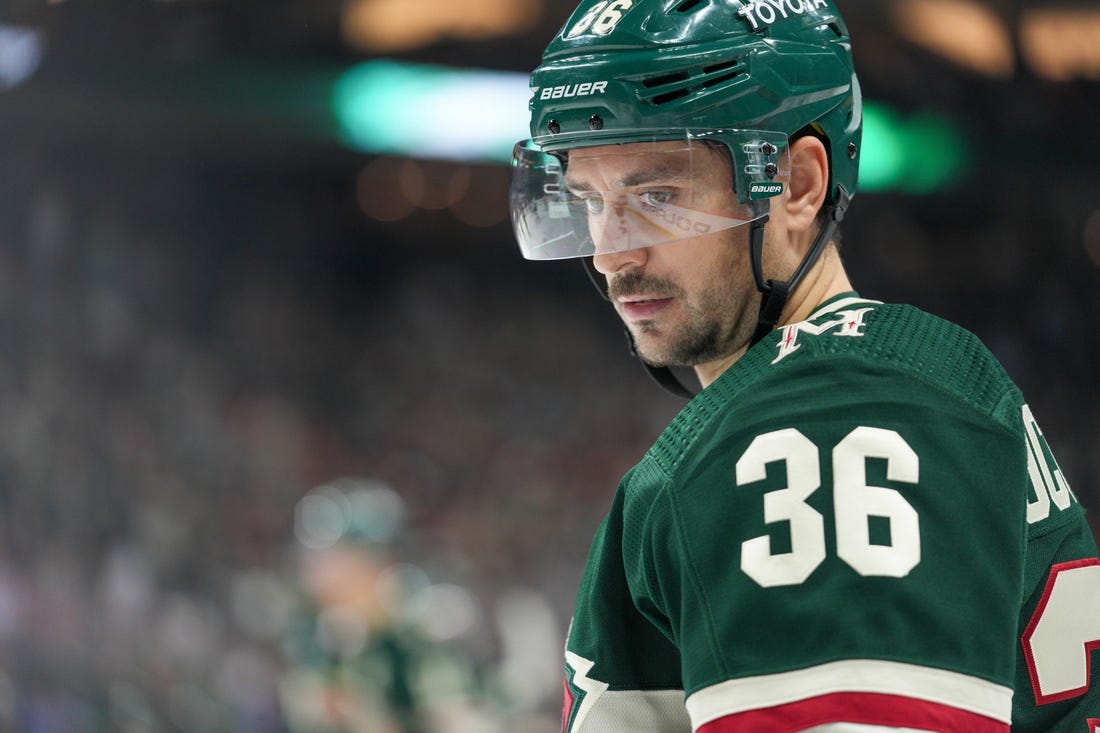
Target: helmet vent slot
687,6
714,73
676,81
670,96
670,87
660,81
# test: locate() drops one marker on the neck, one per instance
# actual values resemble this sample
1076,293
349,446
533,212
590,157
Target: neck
825,280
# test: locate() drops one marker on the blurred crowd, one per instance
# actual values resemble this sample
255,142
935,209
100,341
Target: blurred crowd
216,382
186,357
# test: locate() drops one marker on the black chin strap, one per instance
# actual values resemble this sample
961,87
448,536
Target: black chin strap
773,293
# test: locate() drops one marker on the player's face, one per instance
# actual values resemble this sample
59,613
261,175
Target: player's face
689,302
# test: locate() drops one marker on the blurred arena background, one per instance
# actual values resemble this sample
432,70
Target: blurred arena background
291,439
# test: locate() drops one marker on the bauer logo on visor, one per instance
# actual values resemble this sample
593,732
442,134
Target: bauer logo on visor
764,190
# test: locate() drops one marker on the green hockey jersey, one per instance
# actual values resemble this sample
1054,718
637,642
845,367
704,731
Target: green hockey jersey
858,526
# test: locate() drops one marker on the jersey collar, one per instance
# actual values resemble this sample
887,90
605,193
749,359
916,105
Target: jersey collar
840,302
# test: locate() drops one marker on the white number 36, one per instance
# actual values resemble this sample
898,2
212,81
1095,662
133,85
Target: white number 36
854,503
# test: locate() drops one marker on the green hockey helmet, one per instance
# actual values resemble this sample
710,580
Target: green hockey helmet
635,98
746,75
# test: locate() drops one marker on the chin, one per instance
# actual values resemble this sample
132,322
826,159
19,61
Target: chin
649,348
659,358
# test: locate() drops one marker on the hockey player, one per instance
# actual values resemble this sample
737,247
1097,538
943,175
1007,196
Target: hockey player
857,525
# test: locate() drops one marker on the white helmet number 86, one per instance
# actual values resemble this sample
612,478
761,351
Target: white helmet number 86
601,18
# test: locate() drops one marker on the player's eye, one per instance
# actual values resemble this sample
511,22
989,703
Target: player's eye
655,199
593,203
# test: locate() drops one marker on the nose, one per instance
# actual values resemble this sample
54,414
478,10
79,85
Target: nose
608,263
611,235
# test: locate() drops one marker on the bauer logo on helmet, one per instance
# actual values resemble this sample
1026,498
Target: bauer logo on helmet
565,91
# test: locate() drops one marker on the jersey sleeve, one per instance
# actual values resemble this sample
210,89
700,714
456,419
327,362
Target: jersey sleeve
1056,685
851,545
622,672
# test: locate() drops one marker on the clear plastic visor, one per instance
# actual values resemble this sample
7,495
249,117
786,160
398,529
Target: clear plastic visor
601,199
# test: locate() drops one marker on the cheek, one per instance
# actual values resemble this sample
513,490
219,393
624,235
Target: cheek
725,258
779,260
713,279
704,267
727,274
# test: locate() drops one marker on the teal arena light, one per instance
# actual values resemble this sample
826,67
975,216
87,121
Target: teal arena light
474,115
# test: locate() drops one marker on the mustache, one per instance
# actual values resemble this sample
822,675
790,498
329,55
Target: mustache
633,282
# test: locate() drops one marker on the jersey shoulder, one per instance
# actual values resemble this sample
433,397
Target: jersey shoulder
891,340
851,351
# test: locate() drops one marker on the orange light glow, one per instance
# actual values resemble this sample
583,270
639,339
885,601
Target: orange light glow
389,26
963,32
1062,44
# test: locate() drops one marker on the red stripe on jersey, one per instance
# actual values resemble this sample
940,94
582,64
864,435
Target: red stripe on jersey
567,706
856,707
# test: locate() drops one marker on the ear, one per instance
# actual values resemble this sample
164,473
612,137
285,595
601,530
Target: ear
809,183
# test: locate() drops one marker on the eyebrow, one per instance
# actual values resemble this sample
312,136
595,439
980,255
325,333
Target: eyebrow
663,172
